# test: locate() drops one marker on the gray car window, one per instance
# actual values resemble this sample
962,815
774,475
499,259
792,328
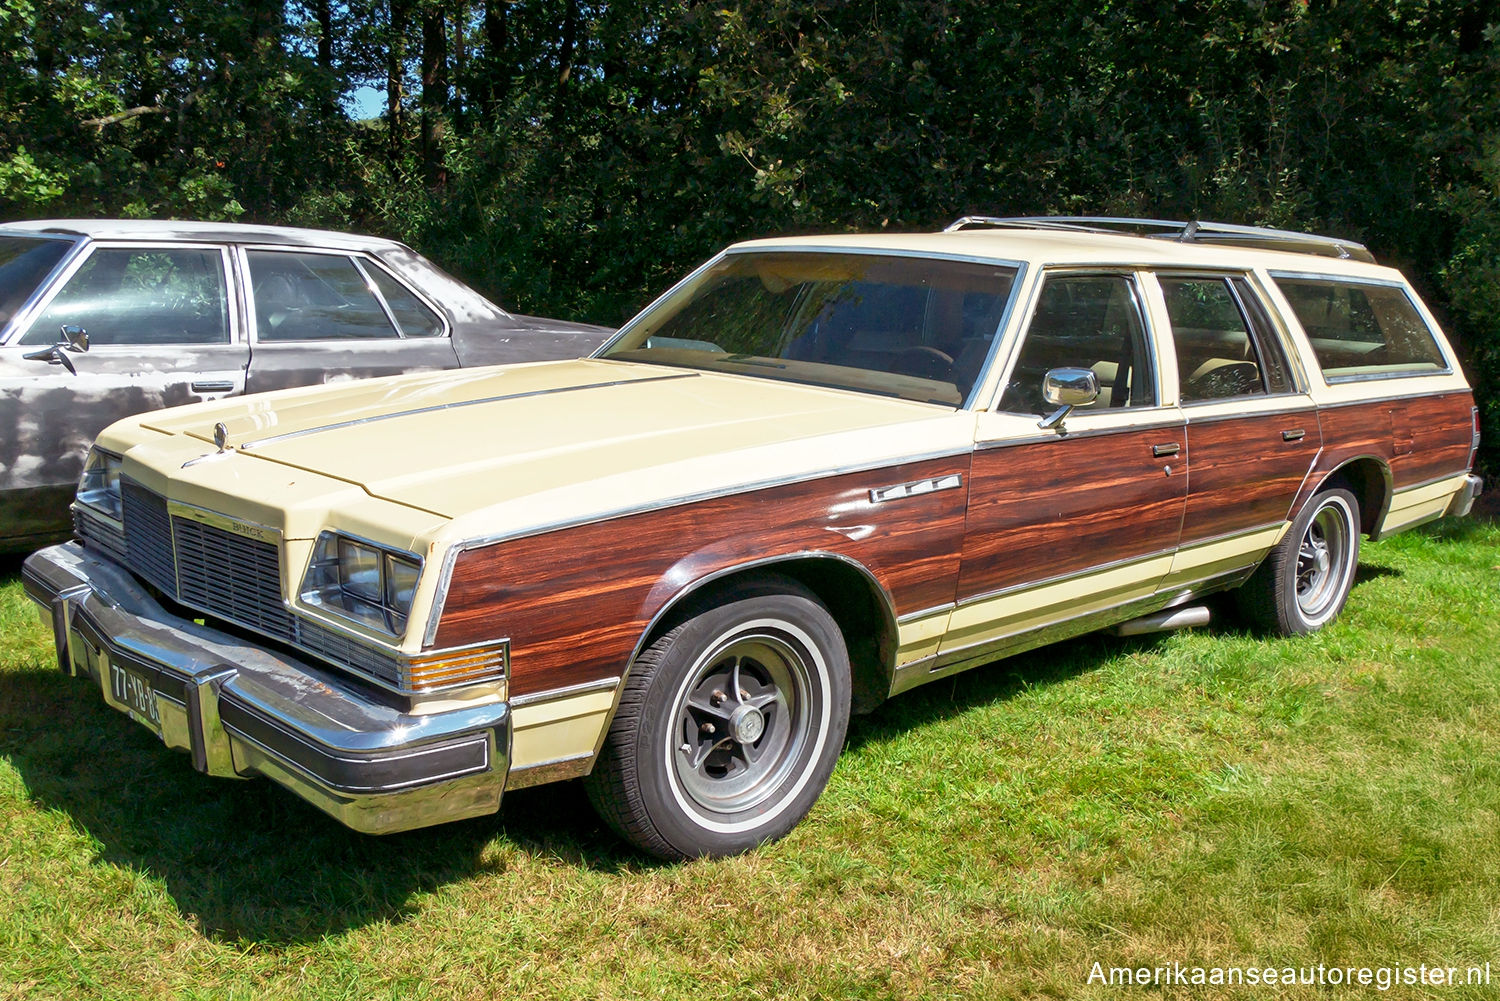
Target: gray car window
24,263
313,297
412,313
141,295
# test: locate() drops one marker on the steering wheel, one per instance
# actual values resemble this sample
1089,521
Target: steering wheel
925,362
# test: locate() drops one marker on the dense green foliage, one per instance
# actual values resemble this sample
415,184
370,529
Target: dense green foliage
572,157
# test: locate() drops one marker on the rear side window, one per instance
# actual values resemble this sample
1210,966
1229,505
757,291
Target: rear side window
1361,330
1224,347
313,297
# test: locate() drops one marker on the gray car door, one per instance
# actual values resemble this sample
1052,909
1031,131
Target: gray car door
163,330
328,316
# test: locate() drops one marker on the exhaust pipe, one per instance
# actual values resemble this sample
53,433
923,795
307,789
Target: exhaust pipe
1164,621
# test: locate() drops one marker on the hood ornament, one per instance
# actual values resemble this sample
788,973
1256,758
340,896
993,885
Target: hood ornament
221,439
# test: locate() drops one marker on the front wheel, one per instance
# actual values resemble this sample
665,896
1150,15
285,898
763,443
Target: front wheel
728,726
1306,579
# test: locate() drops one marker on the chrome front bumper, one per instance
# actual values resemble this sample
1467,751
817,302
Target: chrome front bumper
241,709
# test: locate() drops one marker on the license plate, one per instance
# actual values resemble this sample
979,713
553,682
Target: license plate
135,693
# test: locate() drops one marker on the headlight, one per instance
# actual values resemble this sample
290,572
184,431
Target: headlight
99,487
361,581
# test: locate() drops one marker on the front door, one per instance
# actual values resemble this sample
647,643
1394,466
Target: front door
162,329
1069,525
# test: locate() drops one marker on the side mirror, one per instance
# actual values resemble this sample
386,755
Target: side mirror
1066,388
74,339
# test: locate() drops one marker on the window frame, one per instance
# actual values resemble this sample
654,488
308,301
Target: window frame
1428,321
363,261
70,265
1016,342
1258,337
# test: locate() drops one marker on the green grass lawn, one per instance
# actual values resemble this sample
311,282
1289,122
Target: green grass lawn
1209,798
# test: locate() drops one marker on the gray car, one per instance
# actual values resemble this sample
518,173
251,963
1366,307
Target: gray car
100,319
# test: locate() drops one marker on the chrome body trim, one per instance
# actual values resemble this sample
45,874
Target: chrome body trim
1428,482
573,766
1069,435
567,692
1306,406
916,488
1398,397
450,558
923,613
250,446
240,709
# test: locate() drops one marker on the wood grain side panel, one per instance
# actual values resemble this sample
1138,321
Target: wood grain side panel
1432,438
1054,508
1243,474
1418,438
574,602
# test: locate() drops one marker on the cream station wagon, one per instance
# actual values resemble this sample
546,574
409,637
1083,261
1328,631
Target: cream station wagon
814,474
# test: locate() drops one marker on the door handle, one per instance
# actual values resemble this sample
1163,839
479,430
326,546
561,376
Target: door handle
1161,451
213,386
1295,434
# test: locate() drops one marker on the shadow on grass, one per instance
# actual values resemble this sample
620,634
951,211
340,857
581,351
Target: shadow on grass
246,860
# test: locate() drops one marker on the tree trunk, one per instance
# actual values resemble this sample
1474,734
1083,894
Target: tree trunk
434,93
395,73
324,12
495,77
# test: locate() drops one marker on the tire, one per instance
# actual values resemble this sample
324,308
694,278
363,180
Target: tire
695,764
1304,582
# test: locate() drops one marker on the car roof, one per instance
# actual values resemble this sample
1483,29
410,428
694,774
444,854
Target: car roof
1058,247
206,232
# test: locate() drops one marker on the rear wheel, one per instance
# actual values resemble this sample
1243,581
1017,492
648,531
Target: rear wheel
1304,582
729,725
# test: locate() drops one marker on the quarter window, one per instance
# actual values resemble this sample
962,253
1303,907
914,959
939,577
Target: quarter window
1221,352
141,296
1085,321
411,313
314,297
1359,330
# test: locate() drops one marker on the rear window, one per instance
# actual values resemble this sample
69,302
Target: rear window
1360,330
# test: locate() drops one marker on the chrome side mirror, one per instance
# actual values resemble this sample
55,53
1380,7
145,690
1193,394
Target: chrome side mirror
1066,388
74,339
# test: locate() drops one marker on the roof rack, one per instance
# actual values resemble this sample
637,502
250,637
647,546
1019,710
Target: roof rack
1194,231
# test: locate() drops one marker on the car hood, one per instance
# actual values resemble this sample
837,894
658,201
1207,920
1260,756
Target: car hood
560,441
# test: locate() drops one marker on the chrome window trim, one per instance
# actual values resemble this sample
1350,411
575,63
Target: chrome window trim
68,268
1149,333
1308,404
450,558
21,319
359,258
1418,307
1161,424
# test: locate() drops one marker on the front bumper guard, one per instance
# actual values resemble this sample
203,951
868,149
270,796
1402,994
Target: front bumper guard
240,709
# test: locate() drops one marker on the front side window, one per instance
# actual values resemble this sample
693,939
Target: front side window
1222,352
893,326
1360,330
314,297
141,295
1085,321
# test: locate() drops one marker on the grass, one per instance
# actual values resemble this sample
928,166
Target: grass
1207,798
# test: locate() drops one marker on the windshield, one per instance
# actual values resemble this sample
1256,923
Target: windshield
915,328
25,261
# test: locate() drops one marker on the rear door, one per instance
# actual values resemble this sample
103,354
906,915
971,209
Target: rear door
1252,429
163,327
1069,524
329,316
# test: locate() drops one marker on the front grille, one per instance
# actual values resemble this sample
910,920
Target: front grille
229,576
148,536
98,532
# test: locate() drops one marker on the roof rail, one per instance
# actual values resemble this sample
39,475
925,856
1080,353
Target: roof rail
1194,231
